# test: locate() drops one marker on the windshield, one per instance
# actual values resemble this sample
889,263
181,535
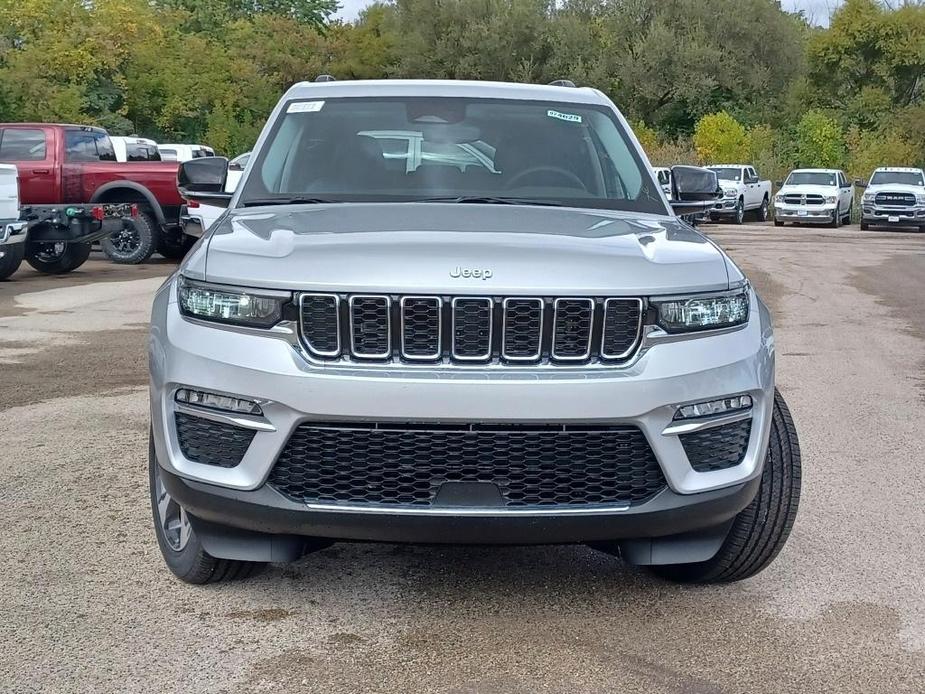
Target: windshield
408,149
725,173
908,178
811,178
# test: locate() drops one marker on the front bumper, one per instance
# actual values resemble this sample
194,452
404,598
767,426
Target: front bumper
818,214
904,216
12,231
724,206
272,369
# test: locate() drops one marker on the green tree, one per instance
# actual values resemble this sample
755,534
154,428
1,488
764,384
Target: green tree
818,141
719,139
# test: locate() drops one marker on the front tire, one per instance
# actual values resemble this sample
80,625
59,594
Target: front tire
758,532
57,258
134,244
181,549
740,212
864,226
12,259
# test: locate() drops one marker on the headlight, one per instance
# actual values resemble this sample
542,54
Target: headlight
920,198
731,193
688,314
869,197
831,199
778,199
214,302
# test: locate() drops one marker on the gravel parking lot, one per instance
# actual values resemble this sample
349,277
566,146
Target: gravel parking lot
87,605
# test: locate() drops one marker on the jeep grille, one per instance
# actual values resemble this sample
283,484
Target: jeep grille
383,328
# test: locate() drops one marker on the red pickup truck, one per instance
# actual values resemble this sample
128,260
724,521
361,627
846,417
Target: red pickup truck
76,165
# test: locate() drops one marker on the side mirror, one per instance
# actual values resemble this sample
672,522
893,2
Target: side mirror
203,180
859,183
693,189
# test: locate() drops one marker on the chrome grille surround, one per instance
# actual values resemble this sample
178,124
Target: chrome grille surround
522,319
413,325
363,343
471,330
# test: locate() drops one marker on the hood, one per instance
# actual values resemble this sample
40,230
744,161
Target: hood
434,248
895,188
808,189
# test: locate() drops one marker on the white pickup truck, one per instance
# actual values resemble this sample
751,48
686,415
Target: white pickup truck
814,196
742,192
895,196
12,229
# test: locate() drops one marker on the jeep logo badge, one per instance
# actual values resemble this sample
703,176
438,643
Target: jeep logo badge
475,273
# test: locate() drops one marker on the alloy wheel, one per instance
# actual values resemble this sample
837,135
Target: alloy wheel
173,522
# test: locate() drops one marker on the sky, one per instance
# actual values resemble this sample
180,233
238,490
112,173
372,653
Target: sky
817,11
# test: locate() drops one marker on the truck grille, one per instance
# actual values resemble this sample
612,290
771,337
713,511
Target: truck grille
717,448
211,443
794,199
895,199
444,329
521,465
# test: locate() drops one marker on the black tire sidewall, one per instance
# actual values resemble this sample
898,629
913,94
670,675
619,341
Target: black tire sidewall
12,258
148,233
187,561
72,257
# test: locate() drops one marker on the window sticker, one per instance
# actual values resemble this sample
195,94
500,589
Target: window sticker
305,107
570,117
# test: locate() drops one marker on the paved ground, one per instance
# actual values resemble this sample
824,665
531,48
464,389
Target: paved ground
87,606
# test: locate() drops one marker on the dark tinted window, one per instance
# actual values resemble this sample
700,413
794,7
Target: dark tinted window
406,149
141,152
22,144
88,145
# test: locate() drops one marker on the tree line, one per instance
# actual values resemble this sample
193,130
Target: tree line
702,80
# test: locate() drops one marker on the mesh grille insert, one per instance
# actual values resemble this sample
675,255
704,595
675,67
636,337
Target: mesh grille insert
523,329
622,324
421,327
212,443
370,326
717,448
572,330
407,464
472,328
320,324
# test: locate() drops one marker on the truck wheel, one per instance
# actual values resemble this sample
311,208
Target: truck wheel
763,210
836,219
740,211
11,259
181,549
57,258
759,532
864,226
778,223
174,244
133,244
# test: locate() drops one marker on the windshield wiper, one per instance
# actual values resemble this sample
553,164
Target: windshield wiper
293,200
492,200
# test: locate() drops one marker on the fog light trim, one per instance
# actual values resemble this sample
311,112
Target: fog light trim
217,401
712,408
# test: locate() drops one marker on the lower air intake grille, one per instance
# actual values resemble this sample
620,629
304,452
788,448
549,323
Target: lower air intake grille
406,464
717,448
211,443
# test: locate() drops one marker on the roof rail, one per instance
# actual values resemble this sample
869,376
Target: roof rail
325,78
562,83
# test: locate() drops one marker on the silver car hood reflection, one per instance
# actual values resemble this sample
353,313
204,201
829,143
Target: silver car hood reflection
437,248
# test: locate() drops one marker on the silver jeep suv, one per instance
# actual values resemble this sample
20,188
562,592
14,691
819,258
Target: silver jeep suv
462,312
